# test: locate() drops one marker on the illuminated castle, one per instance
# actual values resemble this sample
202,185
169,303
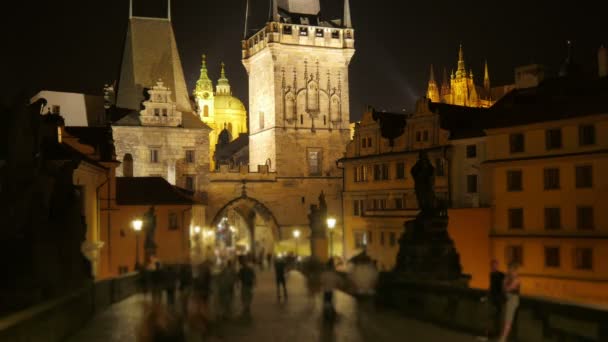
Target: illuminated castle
461,90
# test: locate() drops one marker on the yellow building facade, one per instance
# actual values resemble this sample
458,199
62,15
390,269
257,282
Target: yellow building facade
546,160
218,108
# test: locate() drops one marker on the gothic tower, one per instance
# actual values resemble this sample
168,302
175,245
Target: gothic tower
433,91
299,90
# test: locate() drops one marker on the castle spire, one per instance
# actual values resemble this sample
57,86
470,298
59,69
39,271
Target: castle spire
347,19
204,83
486,77
223,86
246,20
433,91
461,71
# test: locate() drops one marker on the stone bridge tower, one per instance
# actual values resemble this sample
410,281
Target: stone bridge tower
298,90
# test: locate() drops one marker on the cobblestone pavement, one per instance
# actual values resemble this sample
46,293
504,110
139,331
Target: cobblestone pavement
298,319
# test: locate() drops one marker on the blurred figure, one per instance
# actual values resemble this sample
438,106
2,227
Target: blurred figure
157,282
247,280
279,272
159,326
226,282
170,280
363,275
511,289
496,297
185,285
198,302
329,282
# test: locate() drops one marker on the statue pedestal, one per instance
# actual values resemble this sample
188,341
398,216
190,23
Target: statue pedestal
319,249
427,253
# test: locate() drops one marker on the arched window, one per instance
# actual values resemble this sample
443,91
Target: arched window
290,107
127,165
206,111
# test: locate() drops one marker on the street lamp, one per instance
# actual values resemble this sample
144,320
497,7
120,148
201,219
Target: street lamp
331,224
296,235
137,225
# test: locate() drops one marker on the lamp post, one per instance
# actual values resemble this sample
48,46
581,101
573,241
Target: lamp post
296,235
331,224
137,225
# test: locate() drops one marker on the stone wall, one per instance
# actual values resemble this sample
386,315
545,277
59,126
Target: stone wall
463,309
57,319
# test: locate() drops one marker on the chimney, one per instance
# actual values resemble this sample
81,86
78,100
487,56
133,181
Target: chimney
602,61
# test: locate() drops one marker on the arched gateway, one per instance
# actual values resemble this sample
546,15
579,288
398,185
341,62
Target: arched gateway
246,224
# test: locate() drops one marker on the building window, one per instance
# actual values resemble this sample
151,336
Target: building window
471,151
439,167
301,119
382,204
153,155
381,172
586,135
516,142
127,165
399,203
364,173
369,142
583,258
360,239
382,238
425,136
156,111
364,142
553,138
189,156
514,255
552,258
261,120
55,109
287,30
418,136
516,218
392,237
164,111
335,34
206,111
514,180
584,218
303,31
190,183
358,207
173,222
319,33
472,184
377,172
400,171
551,176
553,218
356,174
584,176
314,163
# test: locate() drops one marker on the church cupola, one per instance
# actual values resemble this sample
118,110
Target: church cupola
204,94
204,84
223,86
159,109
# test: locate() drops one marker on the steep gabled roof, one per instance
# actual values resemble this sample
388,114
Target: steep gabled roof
150,191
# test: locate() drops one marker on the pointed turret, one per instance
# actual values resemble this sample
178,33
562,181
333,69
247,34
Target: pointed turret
486,78
204,83
347,20
223,86
461,71
433,91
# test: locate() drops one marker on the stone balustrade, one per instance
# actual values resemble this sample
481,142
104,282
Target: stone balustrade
57,319
460,308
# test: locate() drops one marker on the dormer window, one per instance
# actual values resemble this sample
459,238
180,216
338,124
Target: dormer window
304,21
335,34
287,29
164,111
319,33
303,31
156,111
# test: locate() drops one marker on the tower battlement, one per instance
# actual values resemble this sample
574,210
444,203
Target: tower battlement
301,35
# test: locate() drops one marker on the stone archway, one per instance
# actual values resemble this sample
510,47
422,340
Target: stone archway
250,217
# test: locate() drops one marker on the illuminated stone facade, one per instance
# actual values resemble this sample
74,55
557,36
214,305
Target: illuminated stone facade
219,109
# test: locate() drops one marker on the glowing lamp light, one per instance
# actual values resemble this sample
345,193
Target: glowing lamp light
296,233
197,230
331,223
137,224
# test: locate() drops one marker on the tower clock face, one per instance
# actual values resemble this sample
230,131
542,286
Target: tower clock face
205,95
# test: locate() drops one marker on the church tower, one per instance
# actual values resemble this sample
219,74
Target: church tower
203,93
299,90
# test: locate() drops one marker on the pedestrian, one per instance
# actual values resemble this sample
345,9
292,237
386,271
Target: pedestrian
170,279
511,289
279,272
157,280
496,299
247,280
185,285
269,259
329,282
226,283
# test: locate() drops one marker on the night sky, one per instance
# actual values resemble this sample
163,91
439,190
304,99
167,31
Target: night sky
77,45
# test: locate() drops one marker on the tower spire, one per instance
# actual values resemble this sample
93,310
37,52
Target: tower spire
246,19
223,86
461,71
433,91
445,84
347,19
275,11
486,77
169,10
204,83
